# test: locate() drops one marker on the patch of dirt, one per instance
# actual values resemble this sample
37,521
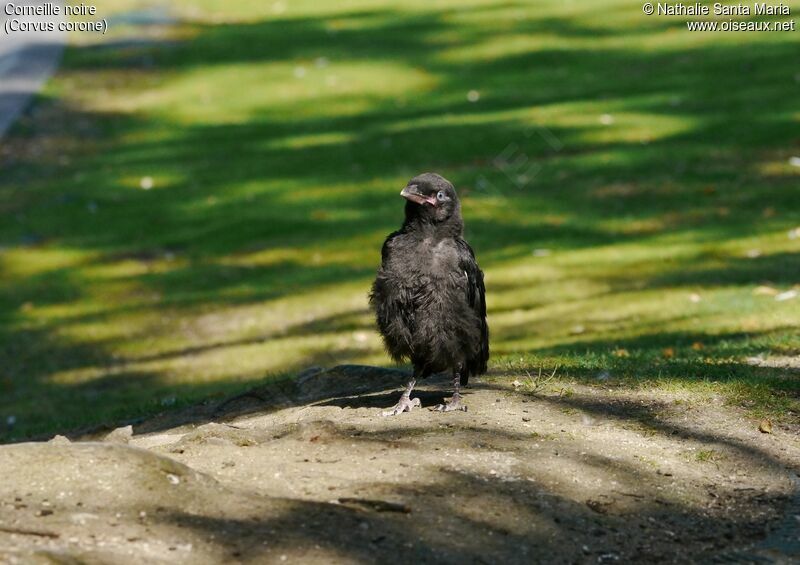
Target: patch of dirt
789,362
308,471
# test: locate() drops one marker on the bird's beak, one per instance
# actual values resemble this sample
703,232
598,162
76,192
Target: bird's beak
412,193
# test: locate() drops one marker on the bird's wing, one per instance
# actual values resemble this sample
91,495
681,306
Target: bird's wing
476,292
476,297
393,307
386,249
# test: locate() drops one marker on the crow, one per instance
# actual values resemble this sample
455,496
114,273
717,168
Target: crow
428,296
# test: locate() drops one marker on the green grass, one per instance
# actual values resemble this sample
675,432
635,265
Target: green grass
655,197
707,455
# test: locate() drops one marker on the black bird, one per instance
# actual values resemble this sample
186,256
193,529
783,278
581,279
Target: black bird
429,297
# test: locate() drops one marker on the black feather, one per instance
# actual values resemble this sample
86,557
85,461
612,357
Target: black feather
429,296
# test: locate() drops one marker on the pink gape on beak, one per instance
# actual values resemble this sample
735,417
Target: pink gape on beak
412,193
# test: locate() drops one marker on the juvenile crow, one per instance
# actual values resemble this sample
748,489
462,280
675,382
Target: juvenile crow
429,297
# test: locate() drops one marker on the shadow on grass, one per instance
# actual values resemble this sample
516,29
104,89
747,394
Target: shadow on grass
726,362
226,190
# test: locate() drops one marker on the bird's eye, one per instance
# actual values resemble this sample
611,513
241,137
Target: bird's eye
441,196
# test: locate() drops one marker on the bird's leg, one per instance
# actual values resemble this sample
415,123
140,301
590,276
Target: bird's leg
406,403
454,402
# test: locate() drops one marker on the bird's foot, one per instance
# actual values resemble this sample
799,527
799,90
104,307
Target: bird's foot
404,405
451,404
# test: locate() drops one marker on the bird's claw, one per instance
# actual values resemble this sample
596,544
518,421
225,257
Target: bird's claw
405,404
451,404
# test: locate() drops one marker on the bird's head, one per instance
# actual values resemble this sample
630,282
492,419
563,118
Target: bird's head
431,198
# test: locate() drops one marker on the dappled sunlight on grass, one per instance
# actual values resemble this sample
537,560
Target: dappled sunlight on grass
23,262
290,92
199,206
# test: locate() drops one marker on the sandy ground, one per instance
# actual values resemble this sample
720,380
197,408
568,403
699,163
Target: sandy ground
309,472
